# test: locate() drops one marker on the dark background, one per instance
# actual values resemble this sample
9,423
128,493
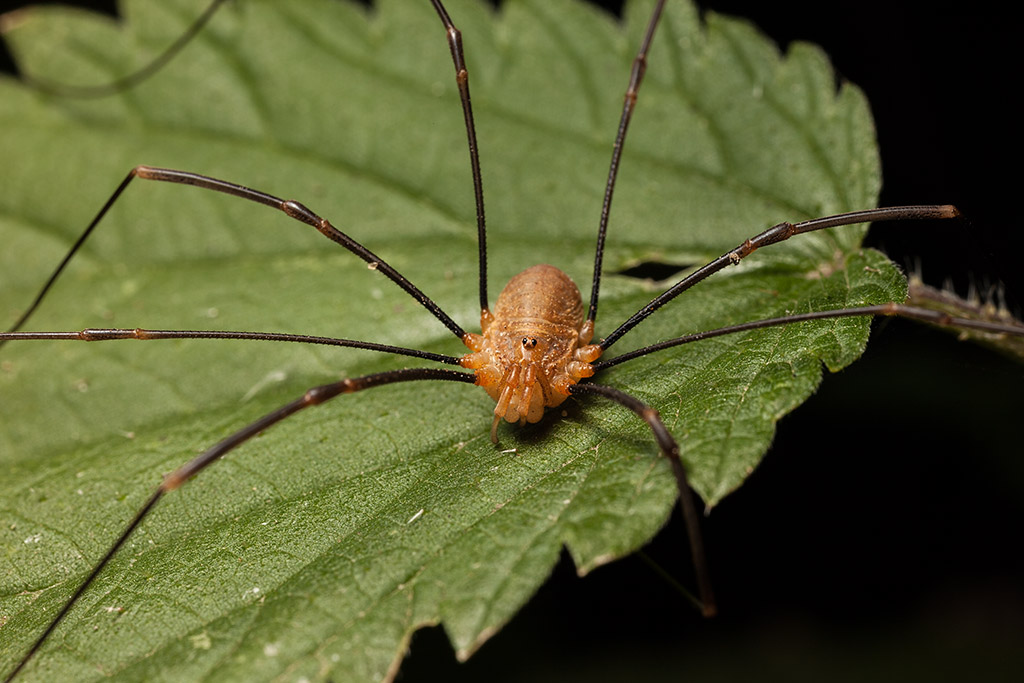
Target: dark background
880,537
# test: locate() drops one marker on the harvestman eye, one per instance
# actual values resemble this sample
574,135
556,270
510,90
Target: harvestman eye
556,357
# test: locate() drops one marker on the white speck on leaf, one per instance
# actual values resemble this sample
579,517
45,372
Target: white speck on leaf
269,378
201,641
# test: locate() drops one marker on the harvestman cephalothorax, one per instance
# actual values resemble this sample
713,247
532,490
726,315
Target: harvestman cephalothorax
565,378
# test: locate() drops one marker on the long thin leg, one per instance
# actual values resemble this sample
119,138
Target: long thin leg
132,79
111,334
889,309
462,80
635,78
289,207
670,450
312,397
773,235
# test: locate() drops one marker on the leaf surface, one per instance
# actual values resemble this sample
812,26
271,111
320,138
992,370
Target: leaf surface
318,548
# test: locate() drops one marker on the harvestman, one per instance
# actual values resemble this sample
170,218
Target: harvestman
535,348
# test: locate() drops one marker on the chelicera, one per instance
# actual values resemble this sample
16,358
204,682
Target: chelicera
534,350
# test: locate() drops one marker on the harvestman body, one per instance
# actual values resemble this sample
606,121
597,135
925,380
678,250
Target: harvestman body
534,346
534,349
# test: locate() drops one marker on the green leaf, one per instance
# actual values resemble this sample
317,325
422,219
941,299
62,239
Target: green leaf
315,550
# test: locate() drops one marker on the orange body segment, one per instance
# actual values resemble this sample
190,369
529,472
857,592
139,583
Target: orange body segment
533,347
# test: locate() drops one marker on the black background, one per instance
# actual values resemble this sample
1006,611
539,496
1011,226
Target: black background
880,537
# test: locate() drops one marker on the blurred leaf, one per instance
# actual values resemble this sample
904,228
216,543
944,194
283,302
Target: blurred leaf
315,550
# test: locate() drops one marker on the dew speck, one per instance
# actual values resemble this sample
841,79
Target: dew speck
201,641
274,376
